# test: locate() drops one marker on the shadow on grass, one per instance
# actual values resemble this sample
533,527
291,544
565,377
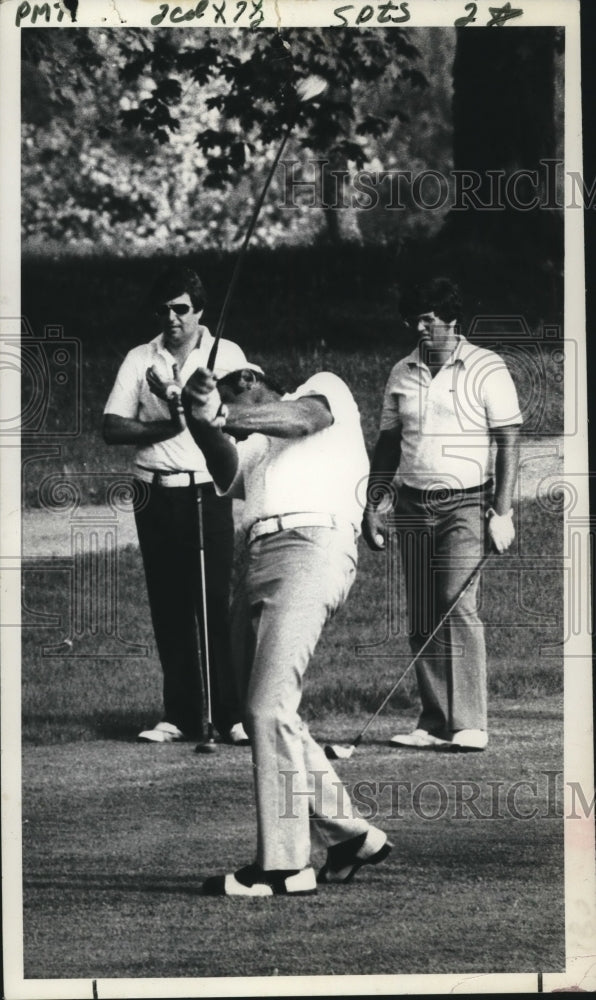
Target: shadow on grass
120,882
42,729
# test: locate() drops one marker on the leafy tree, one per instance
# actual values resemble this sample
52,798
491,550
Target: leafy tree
141,137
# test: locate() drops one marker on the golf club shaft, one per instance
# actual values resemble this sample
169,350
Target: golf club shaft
202,618
441,622
251,228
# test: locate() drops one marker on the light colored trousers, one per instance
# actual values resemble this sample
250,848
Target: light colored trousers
442,540
293,583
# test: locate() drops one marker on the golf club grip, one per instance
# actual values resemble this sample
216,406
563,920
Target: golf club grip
226,305
441,621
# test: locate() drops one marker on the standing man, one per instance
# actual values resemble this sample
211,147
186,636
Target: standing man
297,468
173,469
443,405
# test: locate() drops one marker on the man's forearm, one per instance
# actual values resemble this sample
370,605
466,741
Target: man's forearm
379,494
219,450
506,465
289,419
123,430
384,465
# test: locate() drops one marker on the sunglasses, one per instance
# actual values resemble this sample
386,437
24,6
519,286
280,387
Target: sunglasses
180,308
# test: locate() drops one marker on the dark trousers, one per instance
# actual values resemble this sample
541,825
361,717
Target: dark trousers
168,530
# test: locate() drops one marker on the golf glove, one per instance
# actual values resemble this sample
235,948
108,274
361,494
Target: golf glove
213,410
500,529
201,398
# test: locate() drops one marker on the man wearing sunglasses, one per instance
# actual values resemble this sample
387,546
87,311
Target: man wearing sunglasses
172,469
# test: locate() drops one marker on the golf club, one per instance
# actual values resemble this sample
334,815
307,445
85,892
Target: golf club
306,90
334,751
208,746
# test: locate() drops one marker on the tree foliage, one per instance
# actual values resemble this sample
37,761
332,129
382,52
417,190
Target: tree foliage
134,138
251,79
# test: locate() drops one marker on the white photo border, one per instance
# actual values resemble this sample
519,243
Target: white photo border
579,833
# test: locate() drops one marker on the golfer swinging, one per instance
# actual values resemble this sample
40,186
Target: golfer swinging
297,467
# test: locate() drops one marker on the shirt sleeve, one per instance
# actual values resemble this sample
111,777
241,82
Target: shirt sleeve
123,400
500,397
390,416
250,452
236,488
341,403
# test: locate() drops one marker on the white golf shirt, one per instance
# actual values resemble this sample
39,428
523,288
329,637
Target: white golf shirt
131,397
324,472
446,420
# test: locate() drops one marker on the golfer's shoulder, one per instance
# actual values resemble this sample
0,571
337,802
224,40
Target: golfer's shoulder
326,384
486,364
399,371
475,353
139,357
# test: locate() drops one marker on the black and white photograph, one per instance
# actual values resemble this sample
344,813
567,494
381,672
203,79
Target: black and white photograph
295,529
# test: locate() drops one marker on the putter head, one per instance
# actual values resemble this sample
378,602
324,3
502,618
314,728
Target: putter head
335,752
207,747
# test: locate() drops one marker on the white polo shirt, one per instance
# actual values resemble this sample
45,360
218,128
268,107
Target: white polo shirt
132,398
323,472
446,420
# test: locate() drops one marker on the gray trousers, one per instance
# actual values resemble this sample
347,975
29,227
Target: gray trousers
442,539
293,583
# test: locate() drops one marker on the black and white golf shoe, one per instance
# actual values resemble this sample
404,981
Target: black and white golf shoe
346,858
252,880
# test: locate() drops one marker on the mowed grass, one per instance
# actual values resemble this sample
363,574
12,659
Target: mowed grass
117,839
82,693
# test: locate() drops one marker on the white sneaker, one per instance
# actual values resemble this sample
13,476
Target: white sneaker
419,739
238,736
163,732
470,739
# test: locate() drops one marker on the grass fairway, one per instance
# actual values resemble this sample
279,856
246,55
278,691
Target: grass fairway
117,838
66,696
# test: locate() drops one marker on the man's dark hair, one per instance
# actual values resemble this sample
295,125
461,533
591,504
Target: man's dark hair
439,295
176,281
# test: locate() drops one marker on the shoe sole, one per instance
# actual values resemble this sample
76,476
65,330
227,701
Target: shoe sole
357,864
150,739
216,886
277,895
417,746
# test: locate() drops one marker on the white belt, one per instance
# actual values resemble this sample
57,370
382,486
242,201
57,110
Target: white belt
283,522
162,477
